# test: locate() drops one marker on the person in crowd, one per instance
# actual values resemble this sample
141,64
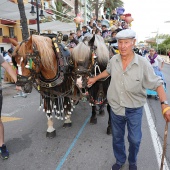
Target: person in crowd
127,95
73,42
94,30
85,31
8,58
143,51
154,60
99,25
105,15
79,36
98,32
114,15
137,51
105,31
4,53
4,153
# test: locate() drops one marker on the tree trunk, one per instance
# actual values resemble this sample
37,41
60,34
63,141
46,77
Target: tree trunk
76,7
25,33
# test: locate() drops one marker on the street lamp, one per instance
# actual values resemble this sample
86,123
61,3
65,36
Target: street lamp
37,11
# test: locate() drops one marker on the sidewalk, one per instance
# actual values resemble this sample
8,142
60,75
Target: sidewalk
166,59
6,84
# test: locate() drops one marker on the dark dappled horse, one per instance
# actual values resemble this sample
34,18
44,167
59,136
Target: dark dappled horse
43,62
90,57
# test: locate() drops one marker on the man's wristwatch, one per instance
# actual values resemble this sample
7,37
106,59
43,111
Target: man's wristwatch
164,102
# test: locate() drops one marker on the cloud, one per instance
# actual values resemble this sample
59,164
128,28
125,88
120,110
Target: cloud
149,16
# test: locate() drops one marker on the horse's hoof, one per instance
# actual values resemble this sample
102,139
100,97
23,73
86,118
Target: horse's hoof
67,125
51,134
109,130
93,120
101,113
76,102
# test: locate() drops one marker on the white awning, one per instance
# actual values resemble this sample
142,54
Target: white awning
9,10
54,26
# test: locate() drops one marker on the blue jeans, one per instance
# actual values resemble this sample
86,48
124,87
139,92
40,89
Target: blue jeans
133,118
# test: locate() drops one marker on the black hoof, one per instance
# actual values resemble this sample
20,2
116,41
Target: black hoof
51,134
93,120
101,113
67,125
76,102
109,130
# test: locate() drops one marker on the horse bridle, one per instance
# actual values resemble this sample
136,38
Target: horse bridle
27,81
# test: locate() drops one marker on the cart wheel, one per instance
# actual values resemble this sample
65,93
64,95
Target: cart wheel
149,96
156,97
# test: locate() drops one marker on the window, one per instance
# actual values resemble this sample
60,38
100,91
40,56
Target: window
11,32
46,6
0,31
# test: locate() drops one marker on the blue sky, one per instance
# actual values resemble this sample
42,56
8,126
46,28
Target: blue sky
149,16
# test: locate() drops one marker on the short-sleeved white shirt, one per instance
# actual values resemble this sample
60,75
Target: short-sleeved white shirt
157,60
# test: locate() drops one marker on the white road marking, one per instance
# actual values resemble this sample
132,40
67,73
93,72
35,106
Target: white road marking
18,109
155,138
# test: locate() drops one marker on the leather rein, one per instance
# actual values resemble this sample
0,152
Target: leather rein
36,79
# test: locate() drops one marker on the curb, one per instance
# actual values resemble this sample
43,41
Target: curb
166,59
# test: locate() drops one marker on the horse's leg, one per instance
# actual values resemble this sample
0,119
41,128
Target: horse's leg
93,119
67,112
51,132
101,110
109,129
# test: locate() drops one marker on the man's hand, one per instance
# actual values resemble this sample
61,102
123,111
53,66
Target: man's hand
167,115
18,88
90,81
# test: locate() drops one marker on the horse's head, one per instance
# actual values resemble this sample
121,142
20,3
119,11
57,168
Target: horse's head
24,62
89,58
35,57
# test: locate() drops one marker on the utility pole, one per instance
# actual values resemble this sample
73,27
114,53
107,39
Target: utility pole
97,8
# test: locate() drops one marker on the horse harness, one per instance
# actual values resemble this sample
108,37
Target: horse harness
62,59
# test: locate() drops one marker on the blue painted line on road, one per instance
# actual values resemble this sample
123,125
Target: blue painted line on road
72,144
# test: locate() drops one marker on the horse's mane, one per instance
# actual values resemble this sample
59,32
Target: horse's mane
82,51
45,48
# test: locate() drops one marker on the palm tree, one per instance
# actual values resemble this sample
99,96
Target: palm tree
60,12
25,33
112,4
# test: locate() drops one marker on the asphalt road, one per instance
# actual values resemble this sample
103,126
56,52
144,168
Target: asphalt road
81,147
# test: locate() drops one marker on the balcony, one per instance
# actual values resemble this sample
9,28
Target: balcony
8,22
32,21
5,39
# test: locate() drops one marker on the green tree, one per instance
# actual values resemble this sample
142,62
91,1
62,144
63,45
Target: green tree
112,4
25,33
108,4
